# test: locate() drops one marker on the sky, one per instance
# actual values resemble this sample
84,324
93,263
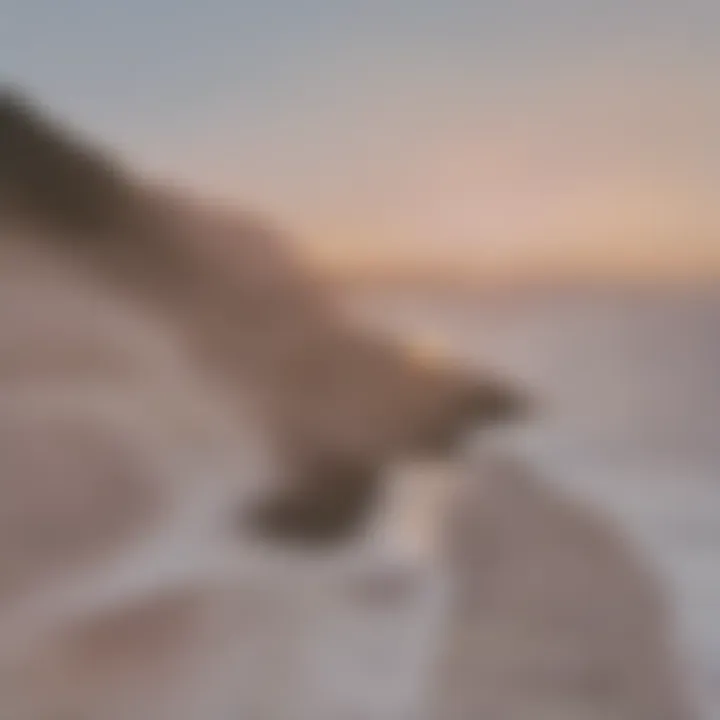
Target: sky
489,138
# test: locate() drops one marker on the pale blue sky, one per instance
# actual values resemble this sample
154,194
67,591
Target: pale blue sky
354,118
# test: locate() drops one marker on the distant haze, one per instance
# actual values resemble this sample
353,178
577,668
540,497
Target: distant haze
506,139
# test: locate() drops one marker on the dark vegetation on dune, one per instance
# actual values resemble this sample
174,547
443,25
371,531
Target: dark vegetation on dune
345,401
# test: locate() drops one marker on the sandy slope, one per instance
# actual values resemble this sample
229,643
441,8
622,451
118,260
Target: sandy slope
556,619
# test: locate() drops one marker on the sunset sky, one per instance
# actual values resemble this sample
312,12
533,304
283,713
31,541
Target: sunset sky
497,138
